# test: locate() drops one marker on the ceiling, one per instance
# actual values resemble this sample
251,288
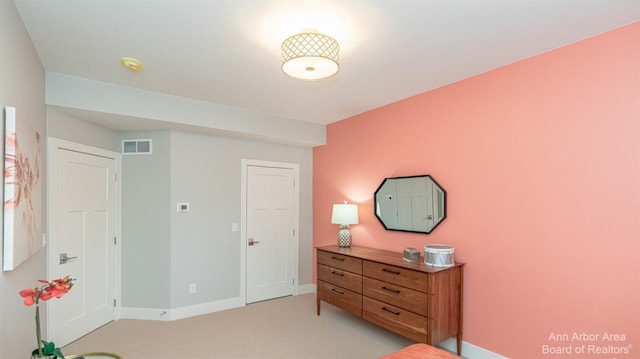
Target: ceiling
228,51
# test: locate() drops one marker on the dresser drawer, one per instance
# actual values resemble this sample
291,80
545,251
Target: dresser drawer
409,299
401,276
405,323
340,297
351,264
340,278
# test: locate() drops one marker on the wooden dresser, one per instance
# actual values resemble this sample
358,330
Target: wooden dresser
420,302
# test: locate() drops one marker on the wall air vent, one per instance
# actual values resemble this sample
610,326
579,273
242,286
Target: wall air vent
136,147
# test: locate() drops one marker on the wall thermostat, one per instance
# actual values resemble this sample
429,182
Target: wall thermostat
183,207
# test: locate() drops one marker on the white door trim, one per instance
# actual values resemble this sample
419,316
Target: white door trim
245,164
53,144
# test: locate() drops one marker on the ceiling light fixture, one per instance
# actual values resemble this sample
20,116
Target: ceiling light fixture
131,64
310,55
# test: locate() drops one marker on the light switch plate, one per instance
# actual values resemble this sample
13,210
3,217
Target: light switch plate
183,207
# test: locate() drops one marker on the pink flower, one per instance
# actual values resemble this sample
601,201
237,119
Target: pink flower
29,296
55,288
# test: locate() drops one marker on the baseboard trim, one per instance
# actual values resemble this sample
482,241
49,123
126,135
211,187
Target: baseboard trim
182,312
469,350
194,310
144,313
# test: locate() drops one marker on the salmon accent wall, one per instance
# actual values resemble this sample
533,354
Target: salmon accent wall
541,163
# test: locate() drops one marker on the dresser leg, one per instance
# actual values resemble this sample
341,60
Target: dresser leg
318,304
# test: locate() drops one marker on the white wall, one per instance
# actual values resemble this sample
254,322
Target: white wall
206,172
146,225
165,251
21,86
65,127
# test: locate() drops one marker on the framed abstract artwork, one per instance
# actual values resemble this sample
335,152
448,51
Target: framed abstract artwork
22,226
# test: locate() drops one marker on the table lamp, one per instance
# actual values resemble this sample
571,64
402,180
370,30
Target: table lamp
344,215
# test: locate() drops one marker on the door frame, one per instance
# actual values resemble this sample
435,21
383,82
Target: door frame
245,164
53,145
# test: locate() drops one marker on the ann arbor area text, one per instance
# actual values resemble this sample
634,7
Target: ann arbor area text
586,337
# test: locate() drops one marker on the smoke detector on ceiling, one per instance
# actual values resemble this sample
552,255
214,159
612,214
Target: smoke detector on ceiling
131,64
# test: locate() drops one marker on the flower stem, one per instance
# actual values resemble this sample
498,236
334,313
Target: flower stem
38,336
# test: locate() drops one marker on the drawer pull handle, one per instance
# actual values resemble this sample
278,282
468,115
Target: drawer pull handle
389,271
337,291
338,274
338,259
391,290
390,311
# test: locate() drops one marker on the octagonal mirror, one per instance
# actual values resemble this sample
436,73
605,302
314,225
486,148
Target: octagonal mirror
410,204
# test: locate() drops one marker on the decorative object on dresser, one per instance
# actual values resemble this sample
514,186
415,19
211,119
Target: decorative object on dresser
420,302
411,255
410,204
439,255
344,215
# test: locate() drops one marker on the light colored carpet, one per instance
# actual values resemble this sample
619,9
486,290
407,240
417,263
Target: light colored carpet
281,328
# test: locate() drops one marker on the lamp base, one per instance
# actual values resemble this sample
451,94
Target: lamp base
344,238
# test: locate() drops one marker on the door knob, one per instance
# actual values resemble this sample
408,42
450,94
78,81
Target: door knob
252,242
64,258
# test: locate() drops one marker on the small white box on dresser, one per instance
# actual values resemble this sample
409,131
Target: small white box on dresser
439,255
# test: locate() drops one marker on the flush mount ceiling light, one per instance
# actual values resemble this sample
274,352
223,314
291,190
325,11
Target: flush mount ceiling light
310,55
131,64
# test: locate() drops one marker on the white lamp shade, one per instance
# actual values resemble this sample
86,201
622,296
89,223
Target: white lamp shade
310,68
344,214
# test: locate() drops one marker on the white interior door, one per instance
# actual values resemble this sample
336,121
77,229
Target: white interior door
270,232
416,204
82,226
